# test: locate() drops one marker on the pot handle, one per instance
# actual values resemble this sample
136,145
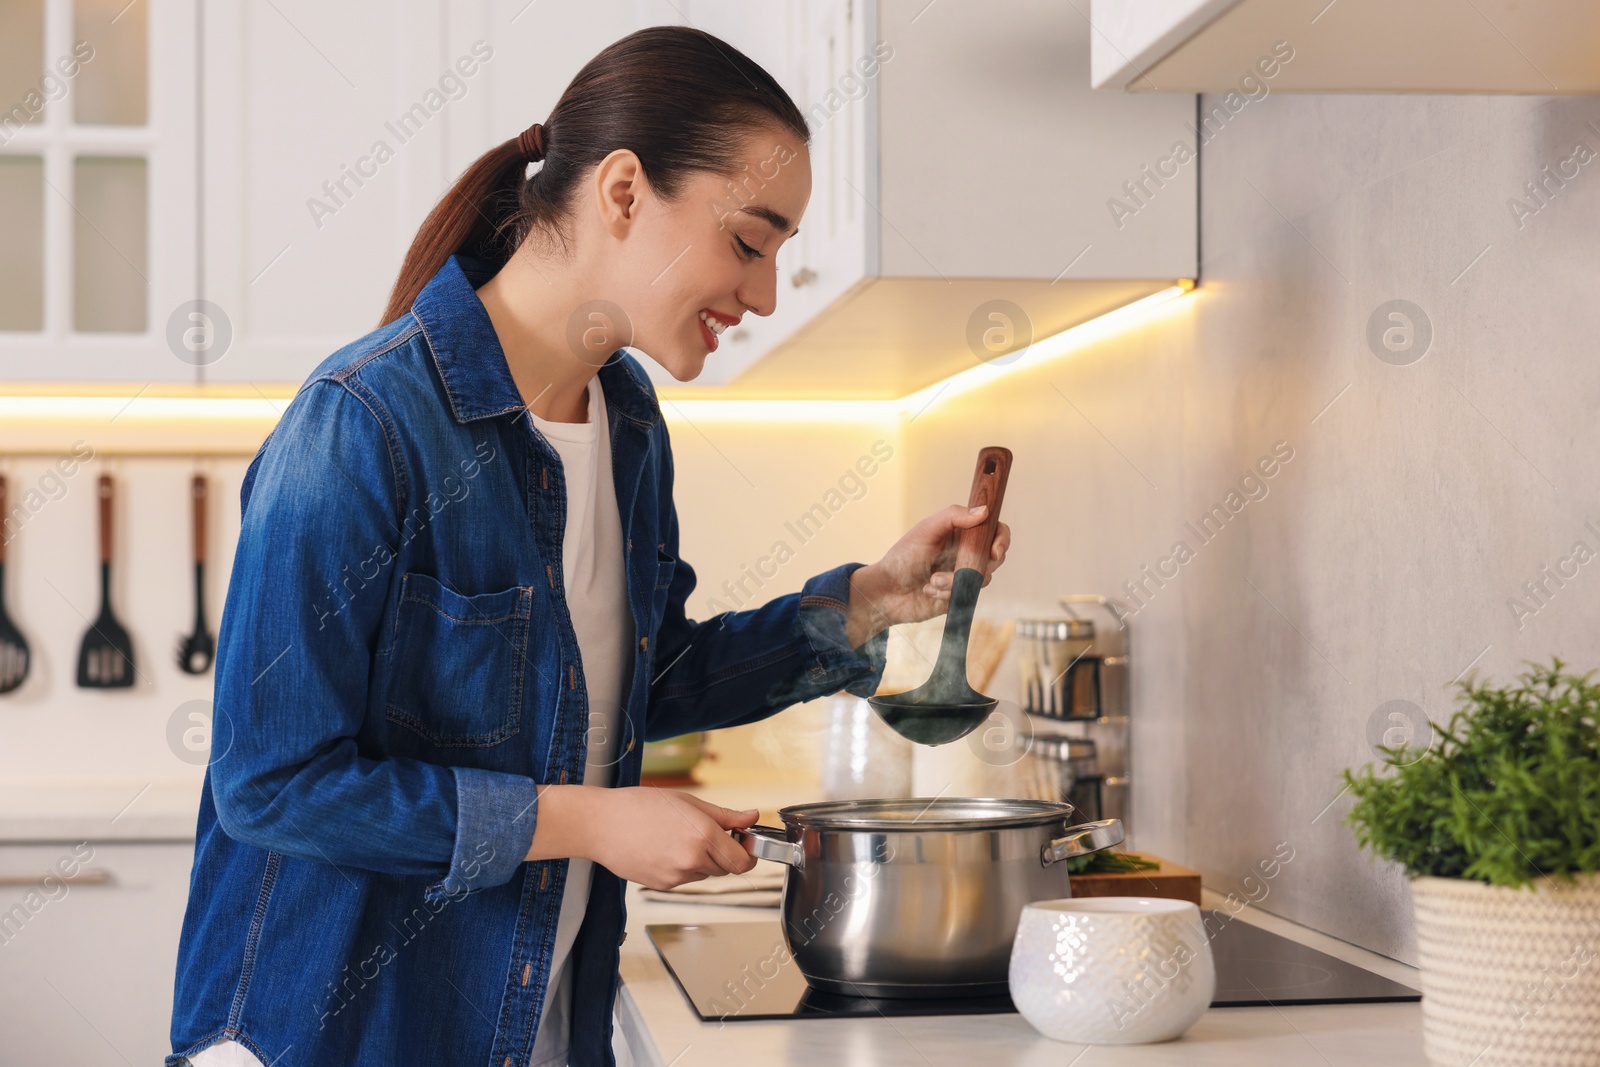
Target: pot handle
1081,840
771,843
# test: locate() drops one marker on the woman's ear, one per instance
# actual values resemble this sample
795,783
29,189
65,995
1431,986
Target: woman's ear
619,188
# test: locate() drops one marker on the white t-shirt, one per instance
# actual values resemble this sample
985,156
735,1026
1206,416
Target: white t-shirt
597,598
592,569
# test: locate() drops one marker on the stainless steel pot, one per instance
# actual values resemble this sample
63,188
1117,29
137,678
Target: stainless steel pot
917,897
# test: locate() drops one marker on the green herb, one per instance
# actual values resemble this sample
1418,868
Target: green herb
1108,862
1509,791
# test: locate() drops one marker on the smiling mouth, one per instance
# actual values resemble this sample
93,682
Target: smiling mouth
711,327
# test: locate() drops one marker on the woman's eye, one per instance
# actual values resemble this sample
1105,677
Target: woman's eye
749,253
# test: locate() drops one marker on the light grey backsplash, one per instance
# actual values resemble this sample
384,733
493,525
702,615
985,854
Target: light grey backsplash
1383,558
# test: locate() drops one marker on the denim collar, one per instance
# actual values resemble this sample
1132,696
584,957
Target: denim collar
472,365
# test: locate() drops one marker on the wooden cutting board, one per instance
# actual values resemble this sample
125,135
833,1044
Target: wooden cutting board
1169,881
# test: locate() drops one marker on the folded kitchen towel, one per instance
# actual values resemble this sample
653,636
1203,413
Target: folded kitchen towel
755,898
760,887
765,875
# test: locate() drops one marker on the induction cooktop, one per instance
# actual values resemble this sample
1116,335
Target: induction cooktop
742,970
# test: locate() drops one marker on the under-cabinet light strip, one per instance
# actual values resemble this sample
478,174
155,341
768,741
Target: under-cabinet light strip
106,410
123,420
939,393
1047,350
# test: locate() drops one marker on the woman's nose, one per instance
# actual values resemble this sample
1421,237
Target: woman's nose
759,292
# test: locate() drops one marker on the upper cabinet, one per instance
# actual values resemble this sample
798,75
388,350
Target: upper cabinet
326,132
331,130
224,192
970,193
1367,46
815,43
97,188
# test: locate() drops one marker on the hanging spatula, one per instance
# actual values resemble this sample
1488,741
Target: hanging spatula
196,651
13,647
946,707
105,661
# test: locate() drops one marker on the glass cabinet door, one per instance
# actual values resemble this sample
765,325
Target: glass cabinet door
97,187
114,88
22,251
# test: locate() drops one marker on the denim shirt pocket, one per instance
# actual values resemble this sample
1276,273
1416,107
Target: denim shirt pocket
458,663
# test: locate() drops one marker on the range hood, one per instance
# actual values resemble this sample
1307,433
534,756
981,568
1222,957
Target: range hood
1358,46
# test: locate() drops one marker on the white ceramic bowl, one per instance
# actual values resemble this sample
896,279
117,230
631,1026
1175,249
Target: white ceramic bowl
1112,970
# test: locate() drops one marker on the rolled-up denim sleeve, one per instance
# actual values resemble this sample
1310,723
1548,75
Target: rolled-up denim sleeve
301,631
823,611
495,818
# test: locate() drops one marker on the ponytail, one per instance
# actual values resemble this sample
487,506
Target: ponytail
677,97
459,222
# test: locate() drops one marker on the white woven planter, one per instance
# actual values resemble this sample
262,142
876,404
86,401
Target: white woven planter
1510,977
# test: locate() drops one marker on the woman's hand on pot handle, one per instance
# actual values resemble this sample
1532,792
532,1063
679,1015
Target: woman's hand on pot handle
659,838
912,581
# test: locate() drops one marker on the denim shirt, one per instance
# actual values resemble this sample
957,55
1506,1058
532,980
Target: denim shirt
397,671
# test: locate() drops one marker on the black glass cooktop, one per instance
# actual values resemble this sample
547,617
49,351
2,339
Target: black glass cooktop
741,970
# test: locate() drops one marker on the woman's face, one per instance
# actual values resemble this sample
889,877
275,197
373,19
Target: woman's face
687,269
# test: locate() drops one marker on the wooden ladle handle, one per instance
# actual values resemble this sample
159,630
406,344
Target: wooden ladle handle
197,490
105,518
988,487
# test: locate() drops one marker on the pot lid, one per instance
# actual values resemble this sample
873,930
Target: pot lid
925,813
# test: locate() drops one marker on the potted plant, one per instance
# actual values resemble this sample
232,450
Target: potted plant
1497,821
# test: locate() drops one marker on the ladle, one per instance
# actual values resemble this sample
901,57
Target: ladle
946,707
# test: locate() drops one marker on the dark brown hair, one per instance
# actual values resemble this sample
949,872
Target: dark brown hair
678,97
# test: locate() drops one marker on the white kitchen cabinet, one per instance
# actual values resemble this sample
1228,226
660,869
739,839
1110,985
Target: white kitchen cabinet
959,158
324,147
332,130
97,187
87,964
790,39
1364,46
818,51
767,32
841,65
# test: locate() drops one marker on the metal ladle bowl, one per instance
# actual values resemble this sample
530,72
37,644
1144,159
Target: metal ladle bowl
946,708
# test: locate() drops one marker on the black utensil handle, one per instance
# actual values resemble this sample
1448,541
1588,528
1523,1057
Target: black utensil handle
105,518
988,487
4,533
197,491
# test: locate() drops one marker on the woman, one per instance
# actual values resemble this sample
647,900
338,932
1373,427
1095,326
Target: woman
457,606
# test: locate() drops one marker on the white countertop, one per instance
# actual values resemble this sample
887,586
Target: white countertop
659,1029
656,1027
105,809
